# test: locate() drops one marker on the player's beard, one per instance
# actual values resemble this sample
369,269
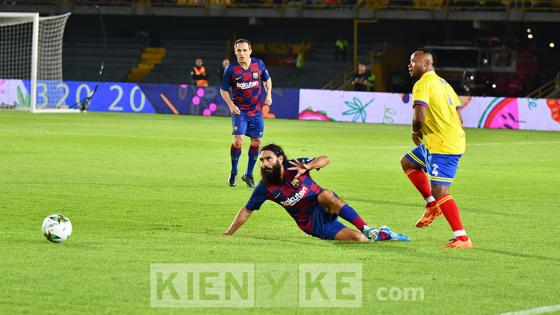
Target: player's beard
272,176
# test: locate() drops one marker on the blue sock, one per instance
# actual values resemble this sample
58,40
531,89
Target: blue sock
253,156
235,153
350,215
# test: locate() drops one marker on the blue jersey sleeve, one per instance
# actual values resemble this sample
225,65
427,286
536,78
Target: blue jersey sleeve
258,197
265,75
305,160
226,79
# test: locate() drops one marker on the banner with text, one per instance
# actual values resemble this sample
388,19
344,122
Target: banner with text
179,99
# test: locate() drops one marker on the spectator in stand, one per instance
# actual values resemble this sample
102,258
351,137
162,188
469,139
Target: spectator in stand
225,64
363,79
340,49
198,74
300,61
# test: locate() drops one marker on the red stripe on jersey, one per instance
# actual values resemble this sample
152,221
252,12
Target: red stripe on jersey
254,67
247,76
237,70
314,187
248,93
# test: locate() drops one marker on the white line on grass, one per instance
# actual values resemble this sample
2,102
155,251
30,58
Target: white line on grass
537,310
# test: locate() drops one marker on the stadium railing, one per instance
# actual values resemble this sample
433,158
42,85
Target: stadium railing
344,80
551,87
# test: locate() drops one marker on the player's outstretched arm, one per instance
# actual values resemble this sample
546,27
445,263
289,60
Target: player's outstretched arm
317,163
234,109
238,221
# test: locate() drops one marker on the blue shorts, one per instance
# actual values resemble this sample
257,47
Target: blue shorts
325,225
250,126
441,168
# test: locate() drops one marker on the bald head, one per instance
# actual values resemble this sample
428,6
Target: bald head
421,61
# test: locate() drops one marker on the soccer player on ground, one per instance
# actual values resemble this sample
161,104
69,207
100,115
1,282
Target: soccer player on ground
315,210
246,77
437,131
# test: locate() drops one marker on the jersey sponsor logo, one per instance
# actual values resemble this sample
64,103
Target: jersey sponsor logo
247,85
255,75
295,198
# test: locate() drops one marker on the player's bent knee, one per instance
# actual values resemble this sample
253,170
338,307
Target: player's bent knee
347,234
407,164
439,190
359,237
404,160
237,142
326,197
256,142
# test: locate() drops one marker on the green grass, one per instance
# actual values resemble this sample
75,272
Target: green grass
144,189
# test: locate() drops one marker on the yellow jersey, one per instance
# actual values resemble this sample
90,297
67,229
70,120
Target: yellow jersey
442,131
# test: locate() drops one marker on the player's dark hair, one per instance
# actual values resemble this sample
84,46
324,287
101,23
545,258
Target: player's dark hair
276,149
429,52
240,41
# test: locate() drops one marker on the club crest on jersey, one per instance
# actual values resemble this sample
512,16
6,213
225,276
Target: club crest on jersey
296,183
255,75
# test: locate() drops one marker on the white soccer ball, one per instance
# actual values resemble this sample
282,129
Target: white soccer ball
57,228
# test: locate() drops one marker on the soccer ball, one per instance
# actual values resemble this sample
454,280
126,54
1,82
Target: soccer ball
57,228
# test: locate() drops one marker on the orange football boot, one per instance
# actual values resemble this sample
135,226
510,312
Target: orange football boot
429,216
456,243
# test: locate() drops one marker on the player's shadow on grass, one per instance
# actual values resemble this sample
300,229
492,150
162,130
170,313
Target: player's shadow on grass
486,211
118,185
306,242
408,249
420,205
514,254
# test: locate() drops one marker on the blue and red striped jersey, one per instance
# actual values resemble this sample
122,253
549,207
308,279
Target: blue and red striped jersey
246,85
298,196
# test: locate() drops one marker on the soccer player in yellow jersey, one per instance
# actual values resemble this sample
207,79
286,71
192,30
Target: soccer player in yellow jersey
437,131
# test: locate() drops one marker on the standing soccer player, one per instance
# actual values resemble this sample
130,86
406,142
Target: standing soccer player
246,77
315,210
437,131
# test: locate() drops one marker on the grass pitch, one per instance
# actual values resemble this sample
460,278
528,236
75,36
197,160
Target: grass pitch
144,189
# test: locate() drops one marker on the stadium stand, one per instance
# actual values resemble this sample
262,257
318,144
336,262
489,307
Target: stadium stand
186,36
180,57
82,58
